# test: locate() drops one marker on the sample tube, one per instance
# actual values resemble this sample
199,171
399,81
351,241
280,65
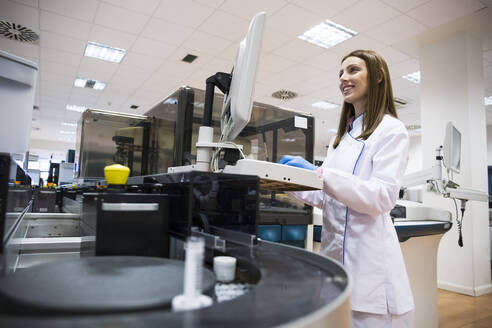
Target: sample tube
195,250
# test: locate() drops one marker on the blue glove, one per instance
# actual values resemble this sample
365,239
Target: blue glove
297,161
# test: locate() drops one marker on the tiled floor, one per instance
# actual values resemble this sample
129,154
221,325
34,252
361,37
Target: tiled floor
461,311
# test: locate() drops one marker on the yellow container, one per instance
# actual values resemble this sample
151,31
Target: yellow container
116,174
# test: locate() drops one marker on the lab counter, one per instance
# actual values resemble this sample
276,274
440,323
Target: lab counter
420,230
408,228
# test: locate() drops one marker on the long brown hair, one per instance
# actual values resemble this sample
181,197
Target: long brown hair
379,99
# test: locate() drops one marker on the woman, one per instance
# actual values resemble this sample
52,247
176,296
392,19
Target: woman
360,186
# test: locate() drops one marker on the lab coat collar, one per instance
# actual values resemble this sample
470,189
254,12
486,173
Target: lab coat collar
357,125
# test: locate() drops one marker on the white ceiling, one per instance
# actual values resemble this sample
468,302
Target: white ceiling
157,34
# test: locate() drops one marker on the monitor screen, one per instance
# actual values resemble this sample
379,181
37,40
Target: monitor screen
452,148
236,109
456,154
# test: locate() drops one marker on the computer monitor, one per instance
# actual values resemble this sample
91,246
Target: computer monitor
238,101
452,148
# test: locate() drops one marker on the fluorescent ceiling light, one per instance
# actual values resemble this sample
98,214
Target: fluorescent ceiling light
487,100
76,108
67,132
325,105
88,83
69,124
288,139
413,77
327,34
66,139
103,52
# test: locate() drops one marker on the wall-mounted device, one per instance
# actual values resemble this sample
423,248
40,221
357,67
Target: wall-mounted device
450,157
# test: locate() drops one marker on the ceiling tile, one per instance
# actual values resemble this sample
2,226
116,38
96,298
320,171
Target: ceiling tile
301,72
84,10
236,28
31,3
21,49
51,98
20,14
60,42
54,86
324,8
359,41
272,39
355,17
405,5
274,63
197,79
61,57
487,72
48,66
327,60
210,3
144,62
438,12
487,55
97,69
298,50
152,48
150,97
183,12
176,69
397,29
310,86
294,21
392,56
405,67
82,100
110,37
165,31
110,101
410,93
85,92
64,25
206,43
160,88
122,87
331,94
120,19
230,52
201,61
142,6
247,9
130,75
280,80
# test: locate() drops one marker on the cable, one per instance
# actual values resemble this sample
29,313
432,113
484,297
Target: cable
459,222
214,162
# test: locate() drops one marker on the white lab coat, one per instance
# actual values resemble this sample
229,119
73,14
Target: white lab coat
360,189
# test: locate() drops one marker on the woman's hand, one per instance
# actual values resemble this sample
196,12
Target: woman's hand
297,161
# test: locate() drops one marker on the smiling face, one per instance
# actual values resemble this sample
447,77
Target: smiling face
353,81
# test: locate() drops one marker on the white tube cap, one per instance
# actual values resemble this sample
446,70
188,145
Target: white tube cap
225,268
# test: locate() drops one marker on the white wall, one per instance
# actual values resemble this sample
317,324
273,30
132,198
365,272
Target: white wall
451,89
414,155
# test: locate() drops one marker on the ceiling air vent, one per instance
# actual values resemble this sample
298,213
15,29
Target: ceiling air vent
400,103
413,127
284,94
189,58
17,32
